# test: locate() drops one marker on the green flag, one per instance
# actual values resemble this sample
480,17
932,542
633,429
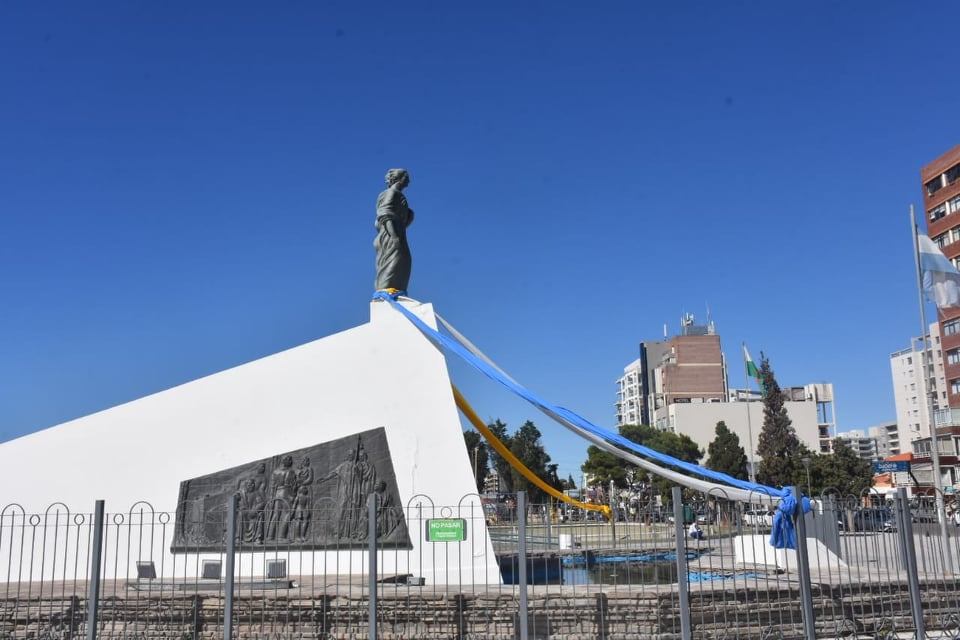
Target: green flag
752,370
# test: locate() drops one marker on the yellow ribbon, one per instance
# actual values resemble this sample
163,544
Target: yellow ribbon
475,420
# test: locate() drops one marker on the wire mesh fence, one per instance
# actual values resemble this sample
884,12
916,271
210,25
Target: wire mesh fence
696,566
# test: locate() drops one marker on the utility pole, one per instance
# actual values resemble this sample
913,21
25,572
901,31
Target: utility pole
476,477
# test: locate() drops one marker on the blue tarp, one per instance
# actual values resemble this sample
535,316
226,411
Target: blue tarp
784,535
705,576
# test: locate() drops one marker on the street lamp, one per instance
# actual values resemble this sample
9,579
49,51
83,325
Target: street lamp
806,465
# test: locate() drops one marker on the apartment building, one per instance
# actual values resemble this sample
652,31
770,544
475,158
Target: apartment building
862,443
941,201
915,394
887,436
941,204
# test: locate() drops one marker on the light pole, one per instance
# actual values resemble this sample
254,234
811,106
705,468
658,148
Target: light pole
476,478
806,465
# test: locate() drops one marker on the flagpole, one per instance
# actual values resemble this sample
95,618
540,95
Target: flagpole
929,392
746,383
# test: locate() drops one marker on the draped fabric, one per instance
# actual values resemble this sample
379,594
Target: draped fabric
684,473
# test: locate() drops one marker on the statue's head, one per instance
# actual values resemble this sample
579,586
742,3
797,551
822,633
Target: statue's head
398,176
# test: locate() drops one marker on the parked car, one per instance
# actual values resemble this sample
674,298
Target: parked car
869,519
758,518
920,515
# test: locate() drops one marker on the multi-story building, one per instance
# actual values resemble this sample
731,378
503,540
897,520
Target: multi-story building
887,436
864,445
683,387
688,368
914,394
941,204
809,409
941,201
491,484
630,394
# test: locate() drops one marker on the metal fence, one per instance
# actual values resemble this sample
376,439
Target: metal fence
697,566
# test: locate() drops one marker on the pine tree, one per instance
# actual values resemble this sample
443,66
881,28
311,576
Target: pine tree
725,454
778,446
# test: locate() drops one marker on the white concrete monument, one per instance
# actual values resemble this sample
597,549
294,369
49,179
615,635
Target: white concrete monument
135,456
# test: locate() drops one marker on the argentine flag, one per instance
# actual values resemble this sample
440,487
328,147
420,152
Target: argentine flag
941,280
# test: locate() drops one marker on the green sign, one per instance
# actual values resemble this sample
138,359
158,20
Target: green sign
446,530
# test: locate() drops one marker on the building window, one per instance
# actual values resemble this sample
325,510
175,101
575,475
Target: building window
934,185
955,386
953,356
953,173
941,241
909,360
952,327
953,204
937,212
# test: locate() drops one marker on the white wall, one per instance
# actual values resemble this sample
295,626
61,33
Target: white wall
384,373
699,421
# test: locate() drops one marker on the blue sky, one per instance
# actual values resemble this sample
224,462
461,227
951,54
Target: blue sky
185,187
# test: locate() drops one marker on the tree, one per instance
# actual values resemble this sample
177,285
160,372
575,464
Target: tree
526,446
842,470
479,458
604,466
724,453
778,446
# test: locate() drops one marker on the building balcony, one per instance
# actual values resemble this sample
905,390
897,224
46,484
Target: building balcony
948,417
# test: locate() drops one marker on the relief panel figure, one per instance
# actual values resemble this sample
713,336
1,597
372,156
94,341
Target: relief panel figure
281,500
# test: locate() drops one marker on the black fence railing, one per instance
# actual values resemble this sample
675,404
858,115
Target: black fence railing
697,566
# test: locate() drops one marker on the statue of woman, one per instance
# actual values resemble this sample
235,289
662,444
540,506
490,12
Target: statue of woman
393,218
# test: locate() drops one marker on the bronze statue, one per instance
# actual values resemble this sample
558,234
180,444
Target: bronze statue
393,218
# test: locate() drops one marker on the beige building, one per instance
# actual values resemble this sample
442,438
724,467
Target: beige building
810,411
